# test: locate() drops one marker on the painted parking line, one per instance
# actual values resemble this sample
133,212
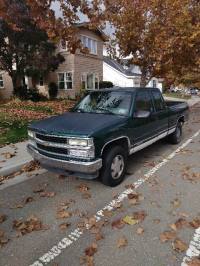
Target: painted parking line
194,248
68,240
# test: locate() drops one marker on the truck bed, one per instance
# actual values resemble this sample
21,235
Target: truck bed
177,105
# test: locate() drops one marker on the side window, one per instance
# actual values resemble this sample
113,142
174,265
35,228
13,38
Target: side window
143,101
158,101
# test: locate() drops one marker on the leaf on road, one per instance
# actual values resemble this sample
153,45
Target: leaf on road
32,166
122,242
140,231
46,194
167,235
61,214
156,221
28,200
3,217
179,224
131,186
130,220
176,203
179,246
195,223
194,262
83,187
108,213
91,250
99,236
119,224
29,225
64,226
88,260
8,155
140,215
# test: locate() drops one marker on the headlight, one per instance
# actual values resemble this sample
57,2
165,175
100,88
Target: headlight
78,142
31,134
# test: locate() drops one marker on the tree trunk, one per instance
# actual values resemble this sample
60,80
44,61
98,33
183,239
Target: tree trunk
16,80
143,82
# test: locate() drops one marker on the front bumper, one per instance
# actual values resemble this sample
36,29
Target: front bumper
69,166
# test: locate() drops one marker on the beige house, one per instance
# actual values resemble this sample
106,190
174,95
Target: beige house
79,71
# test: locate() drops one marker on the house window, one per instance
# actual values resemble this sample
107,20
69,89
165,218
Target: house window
65,81
154,83
90,81
1,81
89,43
137,82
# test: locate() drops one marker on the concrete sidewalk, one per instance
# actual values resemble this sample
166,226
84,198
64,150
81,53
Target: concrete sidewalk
13,157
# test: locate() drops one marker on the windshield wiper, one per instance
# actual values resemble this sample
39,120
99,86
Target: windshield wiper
105,110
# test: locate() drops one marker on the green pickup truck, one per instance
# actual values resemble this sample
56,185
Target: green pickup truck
103,129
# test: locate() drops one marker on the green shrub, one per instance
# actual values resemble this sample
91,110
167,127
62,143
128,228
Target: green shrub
105,84
53,90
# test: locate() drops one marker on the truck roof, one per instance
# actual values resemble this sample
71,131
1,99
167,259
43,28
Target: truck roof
127,89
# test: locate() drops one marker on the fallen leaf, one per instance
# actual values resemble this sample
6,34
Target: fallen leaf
156,221
122,242
118,224
90,251
61,214
167,235
176,203
130,220
194,262
88,260
64,226
83,187
140,215
8,155
99,236
195,223
140,231
28,200
179,224
47,194
107,213
179,246
29,225
3,217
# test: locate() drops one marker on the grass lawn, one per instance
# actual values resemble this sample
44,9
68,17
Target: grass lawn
15,115
177,95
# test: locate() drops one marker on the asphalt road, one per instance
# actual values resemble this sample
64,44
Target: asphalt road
168,188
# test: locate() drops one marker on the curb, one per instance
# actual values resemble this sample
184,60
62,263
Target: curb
13,168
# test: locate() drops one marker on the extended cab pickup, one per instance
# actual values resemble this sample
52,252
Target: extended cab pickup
106,126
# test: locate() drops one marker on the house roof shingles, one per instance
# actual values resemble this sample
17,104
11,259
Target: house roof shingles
114,64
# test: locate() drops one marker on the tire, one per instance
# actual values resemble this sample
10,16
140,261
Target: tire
176,136
114,166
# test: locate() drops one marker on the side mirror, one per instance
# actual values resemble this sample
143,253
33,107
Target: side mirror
142,114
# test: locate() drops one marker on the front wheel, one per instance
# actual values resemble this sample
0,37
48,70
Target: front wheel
176,136
114,166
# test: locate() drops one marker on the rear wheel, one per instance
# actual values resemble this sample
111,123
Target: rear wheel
176,136
114,166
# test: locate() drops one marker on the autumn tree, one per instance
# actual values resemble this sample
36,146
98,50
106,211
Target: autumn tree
160,36
26,51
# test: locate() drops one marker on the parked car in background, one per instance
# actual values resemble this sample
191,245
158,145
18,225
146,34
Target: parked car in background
106,126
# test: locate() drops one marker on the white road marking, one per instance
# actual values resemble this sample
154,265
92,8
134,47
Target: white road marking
194,248
77,233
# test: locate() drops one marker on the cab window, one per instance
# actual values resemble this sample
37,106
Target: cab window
143,101
158,101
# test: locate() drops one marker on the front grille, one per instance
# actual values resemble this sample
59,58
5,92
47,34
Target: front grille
52,149
51,138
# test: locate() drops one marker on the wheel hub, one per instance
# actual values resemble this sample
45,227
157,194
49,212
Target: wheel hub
117,166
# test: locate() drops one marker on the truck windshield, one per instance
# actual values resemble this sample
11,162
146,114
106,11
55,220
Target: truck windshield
109,102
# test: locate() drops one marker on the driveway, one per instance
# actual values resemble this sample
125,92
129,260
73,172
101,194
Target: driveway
149,220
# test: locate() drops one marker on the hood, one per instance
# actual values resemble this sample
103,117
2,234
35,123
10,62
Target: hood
76,123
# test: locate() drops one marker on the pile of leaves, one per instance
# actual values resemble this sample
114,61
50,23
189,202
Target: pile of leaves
28,226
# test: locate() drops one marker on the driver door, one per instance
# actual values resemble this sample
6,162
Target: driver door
142,129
